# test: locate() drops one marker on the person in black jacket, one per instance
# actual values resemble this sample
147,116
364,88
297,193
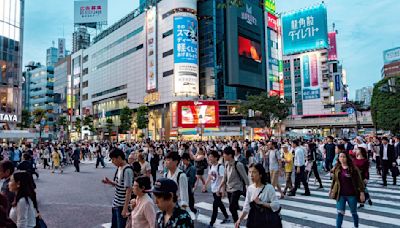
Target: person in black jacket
347,145
388,160
397,146
27,165
153,158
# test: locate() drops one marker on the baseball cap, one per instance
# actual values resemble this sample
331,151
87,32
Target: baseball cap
164,185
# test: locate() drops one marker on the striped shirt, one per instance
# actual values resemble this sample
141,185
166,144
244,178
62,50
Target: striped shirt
123,180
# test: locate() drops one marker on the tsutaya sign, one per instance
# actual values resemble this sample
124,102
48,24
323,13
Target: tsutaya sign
248,16
8,117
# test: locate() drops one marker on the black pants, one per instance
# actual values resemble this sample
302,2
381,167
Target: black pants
45,163
217,204
76,164
328,164
100,160
234,204
386,166
378,164
300,177
154,173
191,200
314,169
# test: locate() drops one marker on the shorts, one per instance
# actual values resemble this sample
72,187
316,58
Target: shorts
200,172
274,178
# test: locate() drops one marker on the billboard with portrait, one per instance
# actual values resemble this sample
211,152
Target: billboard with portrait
186,71
151,40
305,30
88,12
203,113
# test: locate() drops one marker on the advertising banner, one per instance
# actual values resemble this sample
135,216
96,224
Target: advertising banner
270,6
310,71
151,37
86,12
186,71
203,113
305,30
273,63
391,55
61,47
272,22
332,53
337,82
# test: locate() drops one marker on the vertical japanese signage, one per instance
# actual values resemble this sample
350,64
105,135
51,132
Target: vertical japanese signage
151,40
310,75
273,63
305,30
186,79
332,53
61,48
337,82
270,6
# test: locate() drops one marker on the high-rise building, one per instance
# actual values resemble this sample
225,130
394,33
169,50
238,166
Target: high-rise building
80,39
364,95
51,56
11,43
62,86
391,59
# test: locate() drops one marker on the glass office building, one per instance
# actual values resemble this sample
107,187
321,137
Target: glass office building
11,36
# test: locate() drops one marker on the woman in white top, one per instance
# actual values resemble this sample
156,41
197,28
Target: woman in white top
266,199
24,208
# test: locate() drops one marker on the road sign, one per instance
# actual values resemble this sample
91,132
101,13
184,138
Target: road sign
243,122
350,111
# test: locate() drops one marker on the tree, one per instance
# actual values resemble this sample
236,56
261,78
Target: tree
78,125
126,120
272,108
234,3
142,117
38,116
62,121
385,107
25,119
88,121
109,124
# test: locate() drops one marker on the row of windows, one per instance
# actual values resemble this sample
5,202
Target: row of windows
167,33
178,10
120,56
168,73
120,40
167,53
115,89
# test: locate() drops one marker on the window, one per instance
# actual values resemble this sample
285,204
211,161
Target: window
85,84
85,97
85,71
122,55
168,73
167,53
85,59
167,33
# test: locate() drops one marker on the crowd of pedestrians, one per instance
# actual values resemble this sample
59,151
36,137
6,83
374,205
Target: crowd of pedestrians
155,181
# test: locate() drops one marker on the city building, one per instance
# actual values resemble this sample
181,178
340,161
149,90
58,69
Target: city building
391,59
39,91
62,86
51,56
11,46
80,39
364,95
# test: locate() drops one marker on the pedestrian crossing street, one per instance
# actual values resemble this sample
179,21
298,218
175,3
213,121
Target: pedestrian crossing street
318,210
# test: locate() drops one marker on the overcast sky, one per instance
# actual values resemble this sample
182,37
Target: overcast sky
366,28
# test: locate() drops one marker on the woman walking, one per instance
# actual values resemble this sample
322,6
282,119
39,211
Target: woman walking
362,163
24,208
347,186
288,164
201,165
260,193
143,213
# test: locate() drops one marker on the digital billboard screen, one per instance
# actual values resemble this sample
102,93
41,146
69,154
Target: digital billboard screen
305,30
250,49
204,113
310,73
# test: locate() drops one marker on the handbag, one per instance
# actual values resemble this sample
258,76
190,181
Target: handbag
40,223
259,216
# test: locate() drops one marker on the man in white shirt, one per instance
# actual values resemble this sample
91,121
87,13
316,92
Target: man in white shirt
299,162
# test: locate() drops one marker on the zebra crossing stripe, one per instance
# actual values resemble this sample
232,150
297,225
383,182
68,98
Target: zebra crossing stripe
327,183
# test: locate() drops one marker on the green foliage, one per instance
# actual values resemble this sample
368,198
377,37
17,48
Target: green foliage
385,108
62,121
38,115
234,3
126,119
109,124
78,124
25,119
271,107
142,117
88,121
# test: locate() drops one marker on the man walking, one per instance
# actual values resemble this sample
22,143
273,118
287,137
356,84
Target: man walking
299,162
76,157
330,153
388,158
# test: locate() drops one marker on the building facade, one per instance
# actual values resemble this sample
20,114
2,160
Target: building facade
80,39
391,61
364,95
62,86
51,56
11,44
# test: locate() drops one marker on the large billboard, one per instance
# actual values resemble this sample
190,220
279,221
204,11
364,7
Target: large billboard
202,113
332,53
151,40
305,30
89,12
186,70
391,55
249,49
273,63
310,73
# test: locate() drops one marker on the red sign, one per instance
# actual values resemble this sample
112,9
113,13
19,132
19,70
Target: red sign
203,113
272,22
332,53
274,92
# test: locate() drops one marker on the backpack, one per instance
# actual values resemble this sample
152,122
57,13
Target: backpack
219,164
123,172
243,192
177,179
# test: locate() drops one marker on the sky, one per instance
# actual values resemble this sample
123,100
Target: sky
366,28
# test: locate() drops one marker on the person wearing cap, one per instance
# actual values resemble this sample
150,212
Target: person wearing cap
388,160
143,213
171,215
174,173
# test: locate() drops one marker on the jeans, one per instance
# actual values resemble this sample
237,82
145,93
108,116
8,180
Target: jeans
341,208
300,177
100,160
314,169
217,204
234,204
117,220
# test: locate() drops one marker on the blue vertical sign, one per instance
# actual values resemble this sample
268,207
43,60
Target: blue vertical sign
185,42
306,71
305,30
337,82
